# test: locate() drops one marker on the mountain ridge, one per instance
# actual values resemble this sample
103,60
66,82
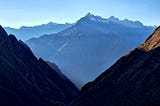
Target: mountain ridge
113,19
83,48
26,80
132,80
26,32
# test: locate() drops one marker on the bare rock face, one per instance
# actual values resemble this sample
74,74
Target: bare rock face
152,42
27,81
134,80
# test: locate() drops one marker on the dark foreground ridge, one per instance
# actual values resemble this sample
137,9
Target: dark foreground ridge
27,81
134,80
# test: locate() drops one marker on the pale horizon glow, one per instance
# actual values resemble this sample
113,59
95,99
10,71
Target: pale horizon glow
16,13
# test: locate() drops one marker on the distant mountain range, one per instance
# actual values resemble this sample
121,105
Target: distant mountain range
134,80
90,46
83,51
28,81
24,33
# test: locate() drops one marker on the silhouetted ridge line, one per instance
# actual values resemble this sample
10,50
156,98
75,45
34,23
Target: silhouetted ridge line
28,81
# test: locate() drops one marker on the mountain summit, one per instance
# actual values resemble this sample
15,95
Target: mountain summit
98,19
134,80
89,15
3,33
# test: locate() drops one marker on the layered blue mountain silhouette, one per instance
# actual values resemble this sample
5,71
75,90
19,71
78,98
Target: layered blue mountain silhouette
24,33
90,46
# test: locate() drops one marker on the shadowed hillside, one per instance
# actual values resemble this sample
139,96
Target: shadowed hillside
134,80
28,81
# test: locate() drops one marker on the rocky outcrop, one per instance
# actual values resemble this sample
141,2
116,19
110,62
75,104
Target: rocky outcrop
26,80
134,80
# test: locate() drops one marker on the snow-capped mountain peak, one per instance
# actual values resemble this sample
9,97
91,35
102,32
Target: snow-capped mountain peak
113,19
89,15
92,18
98,19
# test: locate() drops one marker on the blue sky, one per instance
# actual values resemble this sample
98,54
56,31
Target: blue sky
16,13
